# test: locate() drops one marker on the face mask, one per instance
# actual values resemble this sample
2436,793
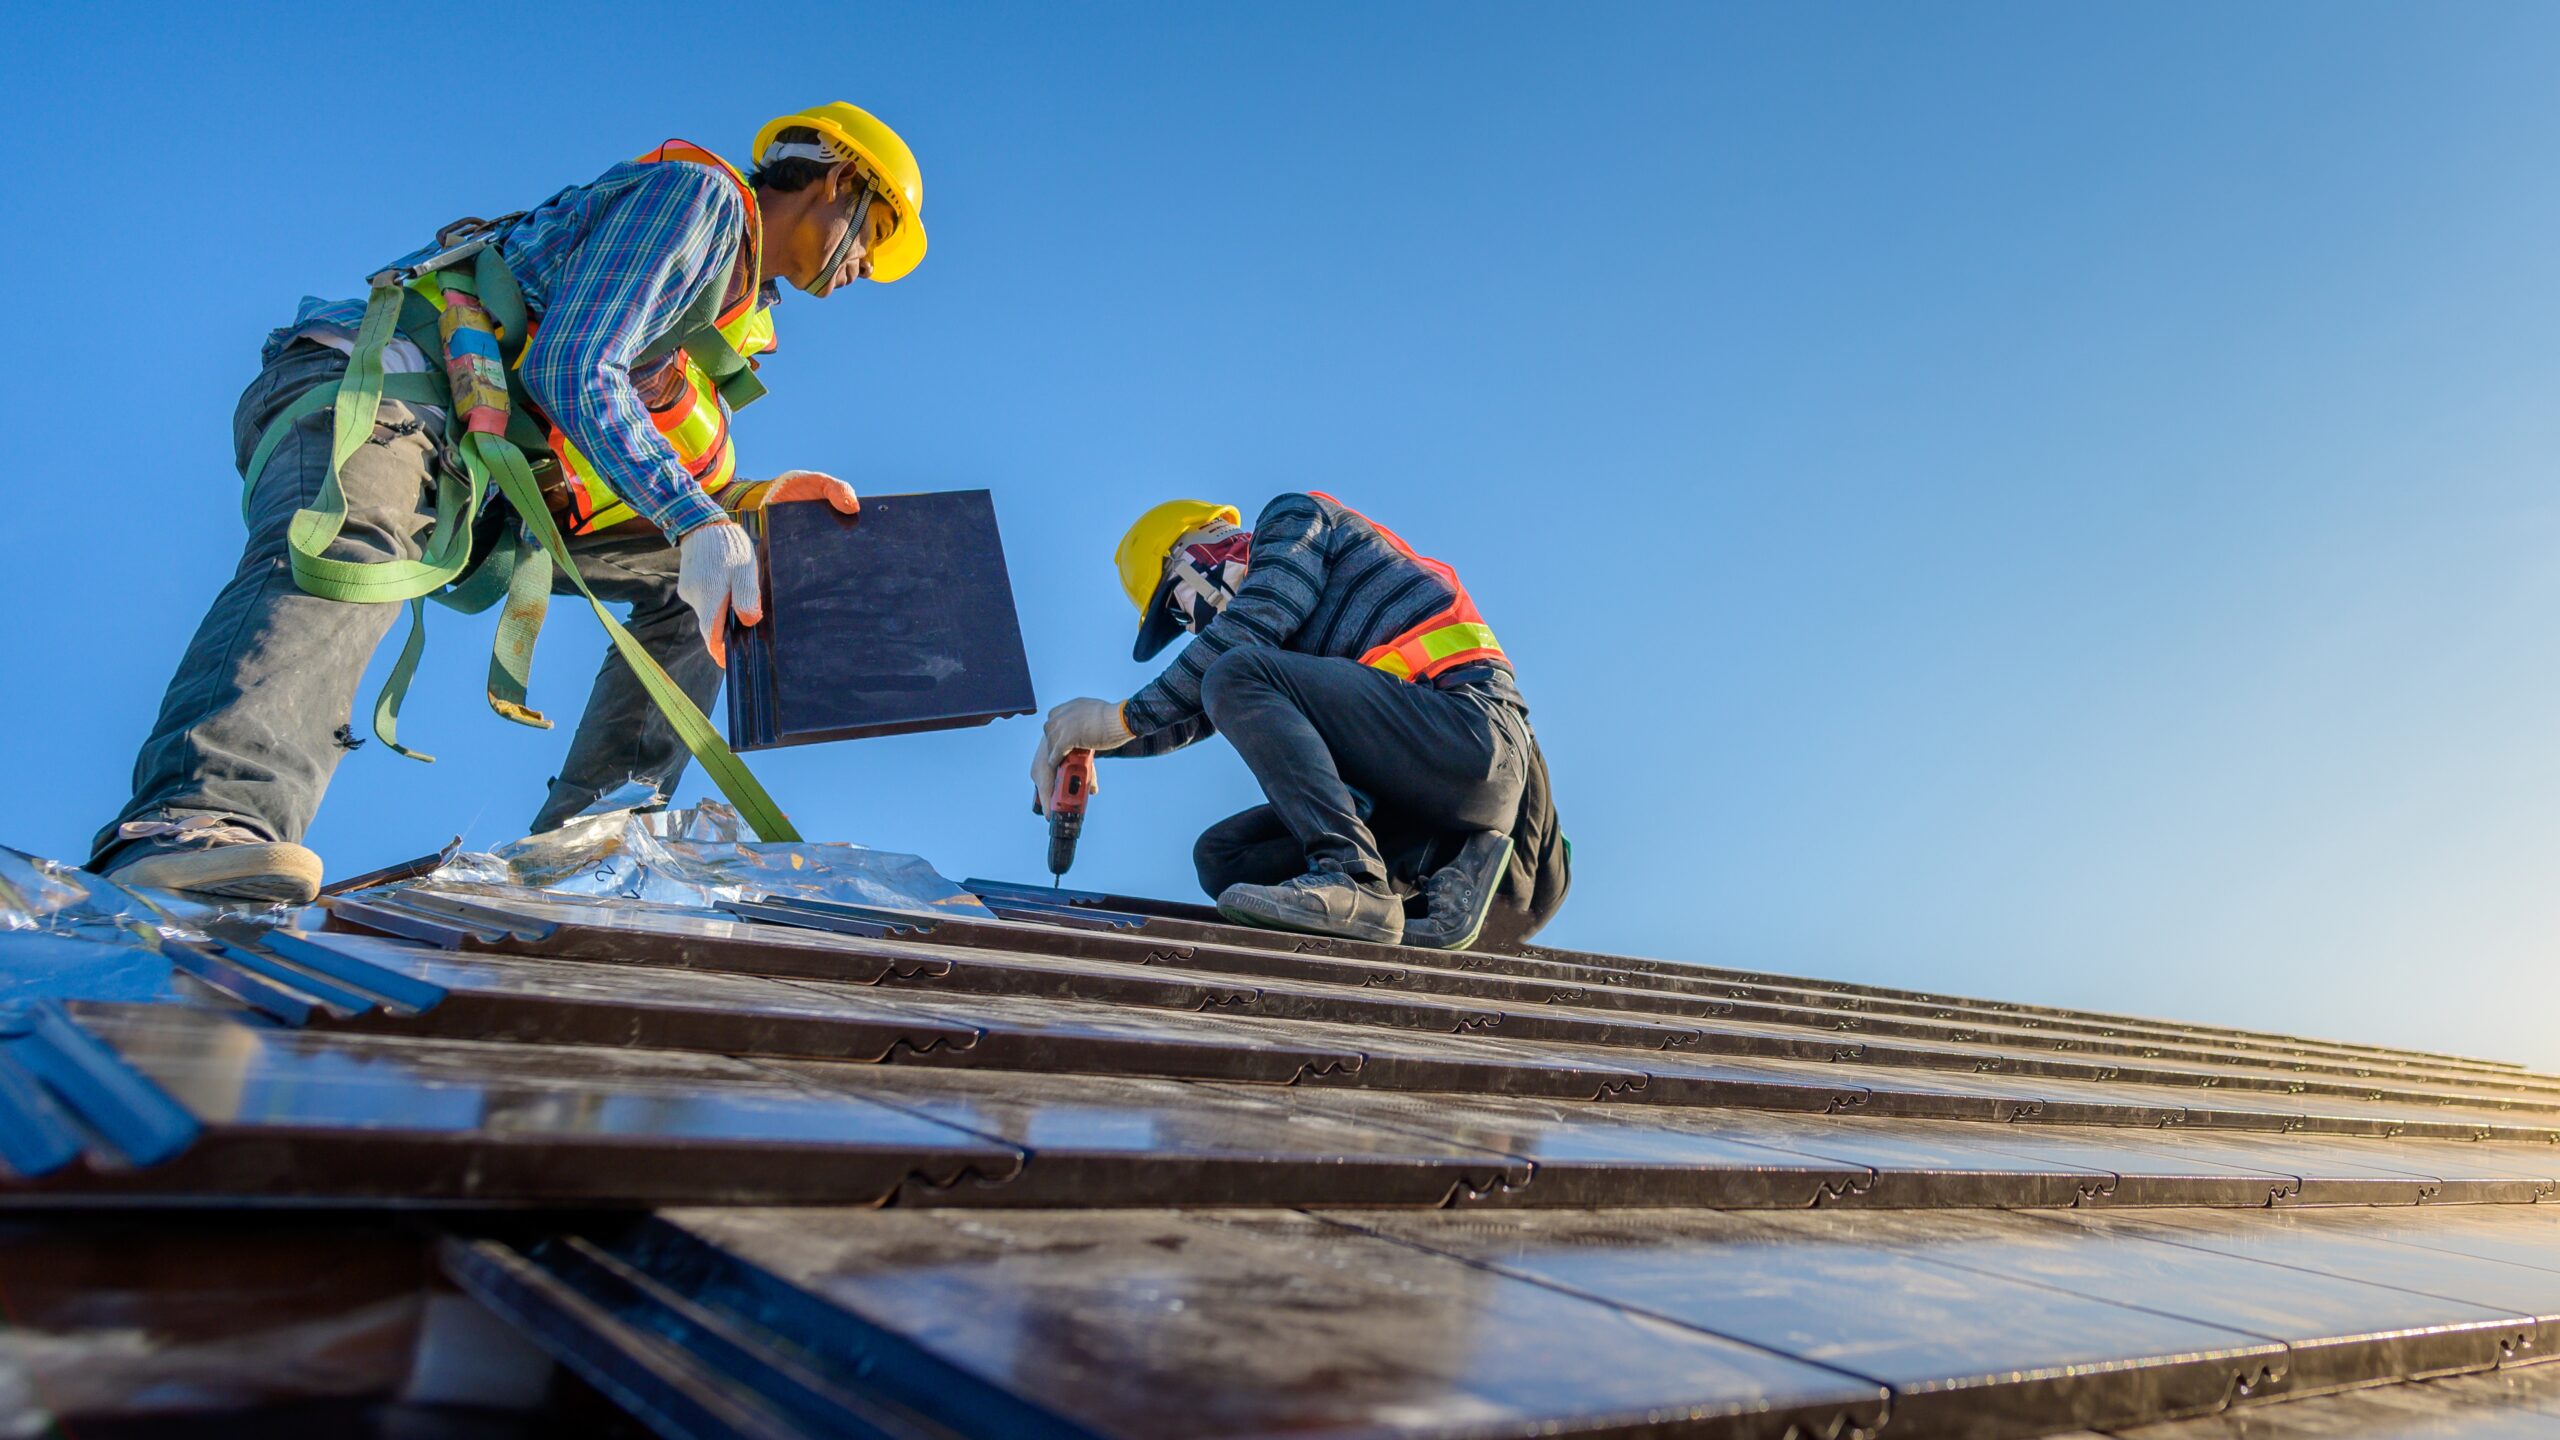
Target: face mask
1205,577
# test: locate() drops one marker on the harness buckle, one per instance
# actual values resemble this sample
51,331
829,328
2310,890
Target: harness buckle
471,226
455,243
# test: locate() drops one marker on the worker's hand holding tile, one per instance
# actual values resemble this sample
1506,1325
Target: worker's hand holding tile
716,574
812,485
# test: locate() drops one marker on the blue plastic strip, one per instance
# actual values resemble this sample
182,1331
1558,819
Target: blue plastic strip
35,1138
255,991
791,915
384,919
623,1350
327,992
1016,890
498,922
717,1342
120,1103
897,921
1080,904
1080,916
872,1361
314,952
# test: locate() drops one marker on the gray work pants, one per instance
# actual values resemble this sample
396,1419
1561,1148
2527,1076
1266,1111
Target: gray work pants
259,712
1325,735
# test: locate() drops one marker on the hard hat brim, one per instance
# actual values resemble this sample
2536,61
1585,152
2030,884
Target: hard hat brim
901,252
1157,625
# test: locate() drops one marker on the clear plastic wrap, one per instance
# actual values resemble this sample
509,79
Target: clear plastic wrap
694,859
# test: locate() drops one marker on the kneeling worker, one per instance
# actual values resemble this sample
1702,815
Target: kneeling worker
1370,700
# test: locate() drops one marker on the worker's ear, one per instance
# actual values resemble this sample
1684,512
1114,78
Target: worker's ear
844,178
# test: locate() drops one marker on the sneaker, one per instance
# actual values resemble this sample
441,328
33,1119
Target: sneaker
214,857
1320,902
1460,894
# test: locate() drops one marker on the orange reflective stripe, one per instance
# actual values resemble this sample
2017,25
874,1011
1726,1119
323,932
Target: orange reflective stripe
694,424
1435,647
686,405
1454,637
724,468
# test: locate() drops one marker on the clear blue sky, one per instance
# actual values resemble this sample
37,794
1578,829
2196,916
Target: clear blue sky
2048,502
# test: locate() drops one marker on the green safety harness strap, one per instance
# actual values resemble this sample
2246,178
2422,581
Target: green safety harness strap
521,571
356,401
408,389
528,592
358,405
496,457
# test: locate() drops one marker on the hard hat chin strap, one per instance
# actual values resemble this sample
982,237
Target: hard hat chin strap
844,247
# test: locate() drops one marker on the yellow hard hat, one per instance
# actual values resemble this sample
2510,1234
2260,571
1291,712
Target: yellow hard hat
1141,558
893,170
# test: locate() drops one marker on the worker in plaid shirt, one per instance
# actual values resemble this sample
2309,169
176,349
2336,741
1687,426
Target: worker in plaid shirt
254,722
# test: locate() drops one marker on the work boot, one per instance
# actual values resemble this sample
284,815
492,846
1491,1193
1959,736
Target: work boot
214,857
1460,894
1320,902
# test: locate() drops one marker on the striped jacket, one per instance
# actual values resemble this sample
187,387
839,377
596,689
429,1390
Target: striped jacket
607,268
1322,581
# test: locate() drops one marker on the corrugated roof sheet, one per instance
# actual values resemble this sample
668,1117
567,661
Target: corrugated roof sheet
1097,1166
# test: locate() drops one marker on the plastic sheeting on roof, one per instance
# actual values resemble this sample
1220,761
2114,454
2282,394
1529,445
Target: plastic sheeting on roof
695,858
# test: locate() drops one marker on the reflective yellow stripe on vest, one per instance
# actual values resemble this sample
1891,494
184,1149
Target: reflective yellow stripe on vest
695,426
1430,651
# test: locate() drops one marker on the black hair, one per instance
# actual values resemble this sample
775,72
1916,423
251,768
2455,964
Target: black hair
783,177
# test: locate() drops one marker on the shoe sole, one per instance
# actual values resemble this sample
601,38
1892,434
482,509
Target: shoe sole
1263,922
277,873
1484,899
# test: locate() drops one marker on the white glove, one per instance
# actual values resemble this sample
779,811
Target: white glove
715,574
1083,724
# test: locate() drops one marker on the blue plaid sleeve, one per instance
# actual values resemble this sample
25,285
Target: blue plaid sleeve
676,229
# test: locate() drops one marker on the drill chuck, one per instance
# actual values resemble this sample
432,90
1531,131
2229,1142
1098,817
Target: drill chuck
1063,831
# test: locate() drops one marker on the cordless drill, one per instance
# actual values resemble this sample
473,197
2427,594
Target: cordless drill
1066,811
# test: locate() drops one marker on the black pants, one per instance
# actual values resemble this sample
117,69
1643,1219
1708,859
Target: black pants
1349,757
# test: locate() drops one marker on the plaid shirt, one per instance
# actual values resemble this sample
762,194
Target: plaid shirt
607,268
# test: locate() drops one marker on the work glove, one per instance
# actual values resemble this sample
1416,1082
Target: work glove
719,570
1082,724
800,485
715,574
